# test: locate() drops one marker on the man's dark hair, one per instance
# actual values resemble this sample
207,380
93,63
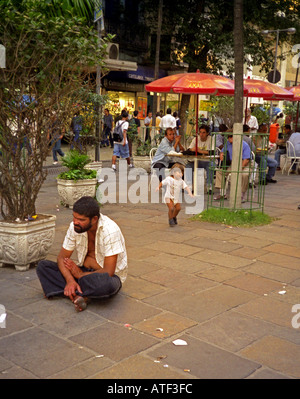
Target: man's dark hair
87,206
169,111
288,127
124,114
136,113
205,127
168,128
246,128
223,127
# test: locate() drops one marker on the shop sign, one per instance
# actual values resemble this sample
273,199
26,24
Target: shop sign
124,86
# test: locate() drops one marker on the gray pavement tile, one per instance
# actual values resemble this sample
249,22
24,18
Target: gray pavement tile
41,353
204,360
276,353
123,341
58,316
233,331
13,324
138,288
273,272
221,258
140,367
85,369
203,305
16,373
175,280
267,374
256,284
122,309
281,260
180,263
269,309
14,295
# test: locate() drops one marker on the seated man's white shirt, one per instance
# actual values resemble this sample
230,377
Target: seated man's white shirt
207,145
109,241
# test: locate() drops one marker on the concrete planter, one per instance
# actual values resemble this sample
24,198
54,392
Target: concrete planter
142,162
70,191
27,242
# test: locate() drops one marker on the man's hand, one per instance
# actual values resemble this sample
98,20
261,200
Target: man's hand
70,290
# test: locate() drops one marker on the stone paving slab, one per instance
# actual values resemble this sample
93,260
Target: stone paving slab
205,360
215,286
276,353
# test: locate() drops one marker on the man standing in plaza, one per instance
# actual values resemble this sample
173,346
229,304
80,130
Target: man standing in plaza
107,128
168,121
102,260
148,123
251,121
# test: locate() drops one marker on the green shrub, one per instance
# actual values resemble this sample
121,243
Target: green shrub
76,162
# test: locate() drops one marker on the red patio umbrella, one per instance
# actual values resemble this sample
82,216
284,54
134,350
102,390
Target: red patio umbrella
266,90
194,83
295,90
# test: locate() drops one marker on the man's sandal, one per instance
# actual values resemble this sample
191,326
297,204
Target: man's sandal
80,303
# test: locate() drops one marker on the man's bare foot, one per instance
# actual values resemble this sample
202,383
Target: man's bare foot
80,303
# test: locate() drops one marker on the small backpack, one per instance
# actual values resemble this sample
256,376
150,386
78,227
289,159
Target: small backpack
118,133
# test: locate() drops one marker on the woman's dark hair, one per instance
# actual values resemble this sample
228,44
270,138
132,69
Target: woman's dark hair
87,206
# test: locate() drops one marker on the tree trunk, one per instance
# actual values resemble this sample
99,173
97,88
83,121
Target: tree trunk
184,106
236,164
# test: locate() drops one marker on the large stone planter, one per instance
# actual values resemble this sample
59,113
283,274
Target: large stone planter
70,191
27,242
142,162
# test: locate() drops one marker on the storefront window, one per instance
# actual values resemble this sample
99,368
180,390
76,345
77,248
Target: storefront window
119,100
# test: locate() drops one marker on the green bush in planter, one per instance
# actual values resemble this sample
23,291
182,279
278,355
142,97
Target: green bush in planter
76,162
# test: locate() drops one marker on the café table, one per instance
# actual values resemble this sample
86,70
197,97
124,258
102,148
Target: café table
195,159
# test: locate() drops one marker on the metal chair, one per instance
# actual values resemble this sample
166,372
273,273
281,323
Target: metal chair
290,157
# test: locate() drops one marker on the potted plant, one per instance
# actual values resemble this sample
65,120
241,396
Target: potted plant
78,180
48,59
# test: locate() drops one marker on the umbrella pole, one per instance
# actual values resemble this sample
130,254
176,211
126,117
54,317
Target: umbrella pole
246,108
297,116
195,159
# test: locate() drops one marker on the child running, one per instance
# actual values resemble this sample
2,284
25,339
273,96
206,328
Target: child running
174,186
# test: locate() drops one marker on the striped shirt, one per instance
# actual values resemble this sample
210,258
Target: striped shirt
109,241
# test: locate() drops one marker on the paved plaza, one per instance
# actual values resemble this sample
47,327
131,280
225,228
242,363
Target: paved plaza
227,292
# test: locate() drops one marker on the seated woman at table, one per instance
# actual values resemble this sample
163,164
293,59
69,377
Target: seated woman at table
205,146
168,144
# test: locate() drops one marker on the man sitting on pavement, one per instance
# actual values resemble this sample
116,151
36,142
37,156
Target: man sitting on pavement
102,258
168,144
281,143
205,146
220,181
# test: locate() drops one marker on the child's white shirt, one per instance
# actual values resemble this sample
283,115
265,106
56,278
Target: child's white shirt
173,189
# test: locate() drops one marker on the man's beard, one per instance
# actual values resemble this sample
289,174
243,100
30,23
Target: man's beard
79,229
